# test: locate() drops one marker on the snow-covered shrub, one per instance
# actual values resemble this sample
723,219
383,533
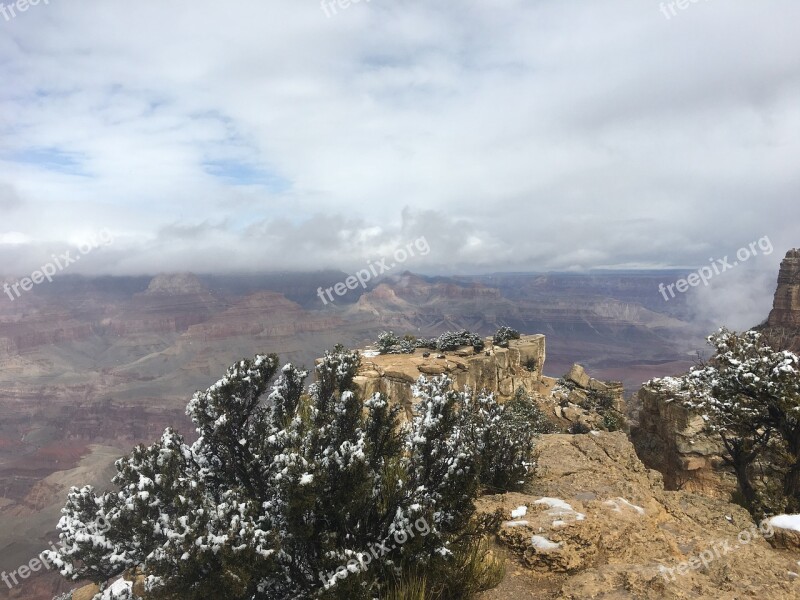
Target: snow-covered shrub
509,432
749,395
450,340
504,335
389,343
288,491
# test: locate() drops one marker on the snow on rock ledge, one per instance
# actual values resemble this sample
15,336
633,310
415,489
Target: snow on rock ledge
631,528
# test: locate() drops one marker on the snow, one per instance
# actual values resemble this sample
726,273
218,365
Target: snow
120,586
542,543
554,503
306,479
615,504
515,523
520,511
559,508
791,522
370,353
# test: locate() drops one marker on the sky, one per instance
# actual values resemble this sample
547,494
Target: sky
528,136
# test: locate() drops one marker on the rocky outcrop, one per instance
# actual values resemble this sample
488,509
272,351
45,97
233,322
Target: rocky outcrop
783,325
670,438
596,523
577,400
786,307
501,370
582,400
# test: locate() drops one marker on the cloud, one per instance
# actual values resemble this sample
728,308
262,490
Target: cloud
513,135
9,198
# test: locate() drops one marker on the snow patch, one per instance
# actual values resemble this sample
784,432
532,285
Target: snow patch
120,586
559,508
790,522
520,511
542,543
515,523
618,502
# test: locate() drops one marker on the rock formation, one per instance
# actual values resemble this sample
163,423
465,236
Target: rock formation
582,400
575,400
598,524
670,438
786,307
502,370
783,324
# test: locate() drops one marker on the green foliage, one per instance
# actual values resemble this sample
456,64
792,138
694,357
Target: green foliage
614,422
527,412
504,335
287,493
451,340
566,384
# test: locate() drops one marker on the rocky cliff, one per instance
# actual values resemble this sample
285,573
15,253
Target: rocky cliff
574,401
786,307
670,438
501,370
783,324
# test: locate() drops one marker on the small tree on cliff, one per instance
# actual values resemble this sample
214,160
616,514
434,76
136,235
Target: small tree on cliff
749,395
288,494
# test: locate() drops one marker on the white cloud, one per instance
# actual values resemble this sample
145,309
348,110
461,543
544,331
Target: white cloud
547,135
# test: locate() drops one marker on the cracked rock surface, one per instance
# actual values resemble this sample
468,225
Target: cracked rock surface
598,524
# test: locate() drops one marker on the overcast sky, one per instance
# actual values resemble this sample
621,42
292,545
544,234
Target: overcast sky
536,135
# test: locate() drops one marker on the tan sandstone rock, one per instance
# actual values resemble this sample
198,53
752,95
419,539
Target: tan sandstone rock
599,524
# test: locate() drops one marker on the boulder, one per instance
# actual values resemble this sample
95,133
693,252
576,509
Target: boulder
578,376
436,369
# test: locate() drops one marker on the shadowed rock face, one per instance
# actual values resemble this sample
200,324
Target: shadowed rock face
786,308
670,438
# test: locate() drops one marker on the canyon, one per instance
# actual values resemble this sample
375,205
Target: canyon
90,367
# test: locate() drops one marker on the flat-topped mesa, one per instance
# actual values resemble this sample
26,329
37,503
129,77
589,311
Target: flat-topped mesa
786,306
496,369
